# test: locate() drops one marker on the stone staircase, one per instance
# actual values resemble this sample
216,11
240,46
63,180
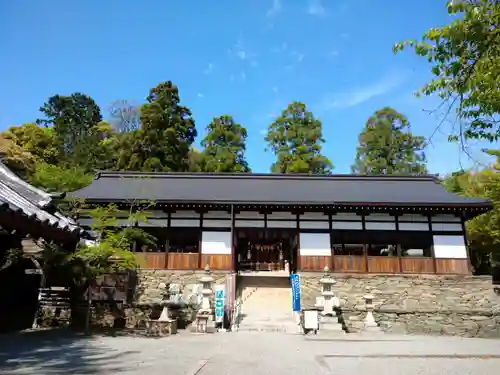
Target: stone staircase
267,305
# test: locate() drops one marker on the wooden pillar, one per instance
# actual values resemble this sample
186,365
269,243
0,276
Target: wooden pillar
398,246
365,247
332,263
167,246
466,241
429,220
200,243
233,240
297,233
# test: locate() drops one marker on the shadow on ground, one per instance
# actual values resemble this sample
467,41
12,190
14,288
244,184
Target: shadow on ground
57,351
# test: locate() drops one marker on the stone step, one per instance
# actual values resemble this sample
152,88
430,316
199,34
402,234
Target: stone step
287,328
268,309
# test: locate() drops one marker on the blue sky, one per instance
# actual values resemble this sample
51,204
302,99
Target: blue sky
247,58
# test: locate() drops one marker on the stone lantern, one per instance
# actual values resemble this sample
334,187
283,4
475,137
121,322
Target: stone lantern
370,325
204,318
206,281
329,321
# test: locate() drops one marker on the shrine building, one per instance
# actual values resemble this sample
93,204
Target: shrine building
280,223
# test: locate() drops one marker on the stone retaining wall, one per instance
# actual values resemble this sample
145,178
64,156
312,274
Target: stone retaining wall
143,305
148,281
430,304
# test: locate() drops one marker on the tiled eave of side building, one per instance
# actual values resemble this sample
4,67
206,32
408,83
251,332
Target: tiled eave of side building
281,192
36,206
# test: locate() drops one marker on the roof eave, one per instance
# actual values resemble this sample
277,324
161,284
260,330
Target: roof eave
479,205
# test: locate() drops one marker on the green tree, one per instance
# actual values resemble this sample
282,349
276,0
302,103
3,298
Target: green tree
484,230
296,138
16,158
224,146
40,142
196,161
387,146
465,59
74,119
54,178
167,132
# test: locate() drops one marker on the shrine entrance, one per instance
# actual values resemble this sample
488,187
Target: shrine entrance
260,250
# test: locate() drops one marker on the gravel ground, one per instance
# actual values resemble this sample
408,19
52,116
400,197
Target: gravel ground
246,353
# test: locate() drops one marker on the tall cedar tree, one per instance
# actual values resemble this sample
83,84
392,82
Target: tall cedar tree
167,132
224,146
74,119
386,146
296,138
465,60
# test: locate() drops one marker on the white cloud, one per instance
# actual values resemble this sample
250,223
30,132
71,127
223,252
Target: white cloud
208,69
364,93
298,56
280,49
241,77
275,9
242,53
263,132
275,89
200,95
316,8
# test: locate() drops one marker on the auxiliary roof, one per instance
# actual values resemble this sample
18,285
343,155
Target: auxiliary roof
18,196
280,189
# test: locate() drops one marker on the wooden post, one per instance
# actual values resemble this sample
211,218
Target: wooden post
41,287
200,242
332,240
365,246
429,221
297,251
88,313
466,241
233,242
398,246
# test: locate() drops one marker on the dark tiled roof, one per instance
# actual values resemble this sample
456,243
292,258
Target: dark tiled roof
272,189
18,196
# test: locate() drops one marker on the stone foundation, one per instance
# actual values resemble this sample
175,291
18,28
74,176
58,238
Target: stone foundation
430,304
143,305
475,323
148,281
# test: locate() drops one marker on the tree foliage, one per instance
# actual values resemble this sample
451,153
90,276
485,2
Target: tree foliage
16,158
387,146
484,230
74,119
167,132
465,59
113,250
55,178
224,146
40,142
296,138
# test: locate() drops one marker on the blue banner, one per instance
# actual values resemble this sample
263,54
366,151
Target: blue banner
219,303
295,281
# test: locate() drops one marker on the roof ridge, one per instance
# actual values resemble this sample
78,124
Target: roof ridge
242,175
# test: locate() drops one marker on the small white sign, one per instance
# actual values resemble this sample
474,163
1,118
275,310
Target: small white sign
33,271
311,319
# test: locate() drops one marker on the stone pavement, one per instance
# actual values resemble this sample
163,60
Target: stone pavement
246,353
